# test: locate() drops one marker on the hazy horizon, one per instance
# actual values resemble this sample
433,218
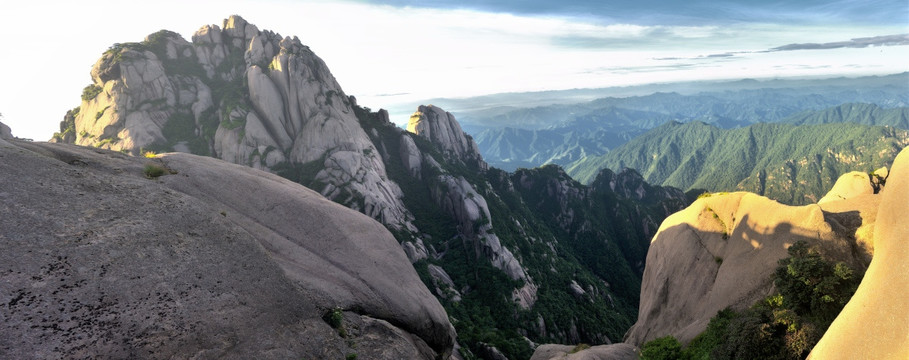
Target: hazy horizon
400,51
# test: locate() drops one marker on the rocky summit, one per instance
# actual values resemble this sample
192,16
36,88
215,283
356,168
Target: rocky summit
240,94
187,256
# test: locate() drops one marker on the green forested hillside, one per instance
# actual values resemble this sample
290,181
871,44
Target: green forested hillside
859,113
788,163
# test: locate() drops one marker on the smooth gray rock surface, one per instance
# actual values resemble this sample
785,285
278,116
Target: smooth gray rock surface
5,132
214,261
619,351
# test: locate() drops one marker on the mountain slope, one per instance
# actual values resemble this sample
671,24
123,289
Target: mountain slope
791,164
571,256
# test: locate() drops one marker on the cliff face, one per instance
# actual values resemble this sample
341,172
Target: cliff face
209,259
243,95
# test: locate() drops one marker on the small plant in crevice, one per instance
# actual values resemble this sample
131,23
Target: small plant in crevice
335,319
579,347
153,171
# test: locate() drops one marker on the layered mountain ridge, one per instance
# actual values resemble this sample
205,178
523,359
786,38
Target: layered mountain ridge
563,133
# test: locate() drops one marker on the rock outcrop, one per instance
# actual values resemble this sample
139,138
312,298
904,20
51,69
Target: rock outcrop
440,127
848,186
5,132
629,184
240,94
875,322
458,197
208,260
728,246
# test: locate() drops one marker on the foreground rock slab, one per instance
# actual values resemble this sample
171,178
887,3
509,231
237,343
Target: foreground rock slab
208,260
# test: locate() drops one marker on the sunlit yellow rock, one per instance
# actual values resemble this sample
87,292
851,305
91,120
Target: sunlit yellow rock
875,323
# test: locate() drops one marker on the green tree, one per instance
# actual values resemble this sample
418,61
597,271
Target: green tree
811,293
664,348
812,286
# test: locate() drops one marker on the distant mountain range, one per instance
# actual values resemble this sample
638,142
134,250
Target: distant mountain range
593,133
794,164
561,133
857,113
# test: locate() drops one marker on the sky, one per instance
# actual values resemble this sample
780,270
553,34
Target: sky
388,52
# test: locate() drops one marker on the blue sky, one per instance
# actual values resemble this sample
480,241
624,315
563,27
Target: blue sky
398,51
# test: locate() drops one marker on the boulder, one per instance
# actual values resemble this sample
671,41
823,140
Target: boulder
849,185
721,251
210,260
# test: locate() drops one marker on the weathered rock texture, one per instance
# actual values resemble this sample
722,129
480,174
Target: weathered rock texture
603,352
721,251
210,260
458,197
243,95
440,127
875,322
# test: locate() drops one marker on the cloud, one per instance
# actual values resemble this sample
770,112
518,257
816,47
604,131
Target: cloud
883,40
632,36
886,40
691,12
